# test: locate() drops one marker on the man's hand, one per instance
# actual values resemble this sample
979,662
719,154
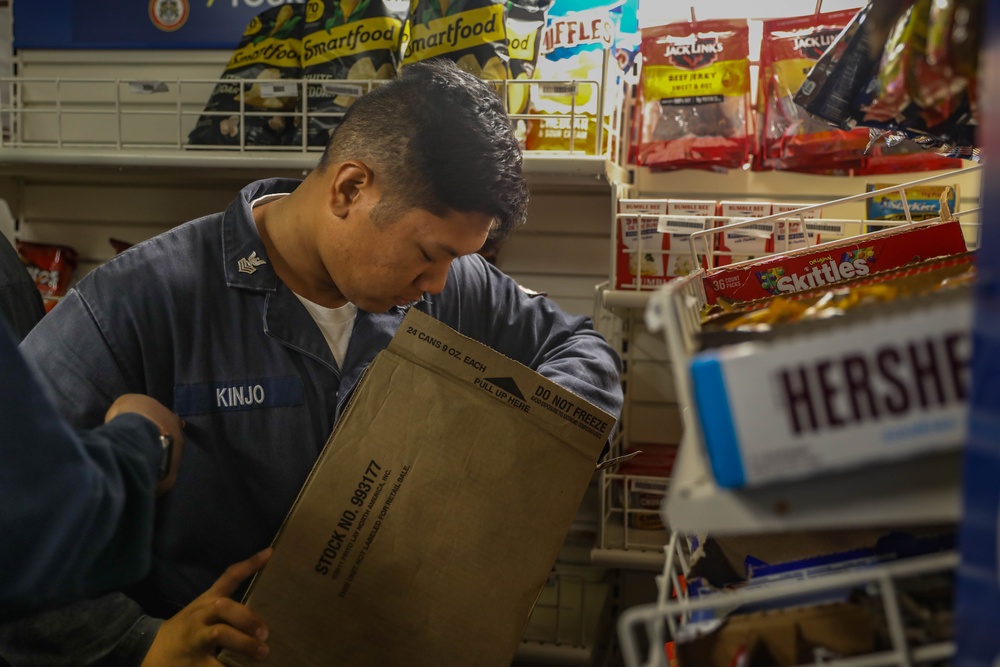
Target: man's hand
211,622
169,423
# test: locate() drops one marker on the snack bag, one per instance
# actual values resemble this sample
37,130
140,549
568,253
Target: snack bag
832,86
629,37
887,98
788,137
577,35
346,44
917,93
267,53
525,22
694,96
924,202
470,32
51,267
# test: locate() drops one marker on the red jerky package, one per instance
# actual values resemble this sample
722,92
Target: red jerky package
51,267
789,137
694,96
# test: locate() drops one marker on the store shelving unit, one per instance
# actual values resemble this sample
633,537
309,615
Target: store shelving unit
922,490
916,492
132,116
644,630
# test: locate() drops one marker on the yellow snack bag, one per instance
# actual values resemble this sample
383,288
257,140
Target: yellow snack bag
267,53
346,45
470,32
525,22
577,34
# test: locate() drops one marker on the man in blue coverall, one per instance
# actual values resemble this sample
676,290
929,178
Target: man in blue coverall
255,325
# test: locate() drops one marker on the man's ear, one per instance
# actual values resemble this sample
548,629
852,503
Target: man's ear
350,178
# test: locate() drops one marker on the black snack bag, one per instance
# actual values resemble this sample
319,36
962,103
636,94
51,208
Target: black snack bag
832,86
267,53
346,44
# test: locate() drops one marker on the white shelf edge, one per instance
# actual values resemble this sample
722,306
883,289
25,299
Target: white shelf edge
625,298
562,654
924,490
558,167
628,559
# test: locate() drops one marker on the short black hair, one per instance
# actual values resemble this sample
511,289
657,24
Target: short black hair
440,139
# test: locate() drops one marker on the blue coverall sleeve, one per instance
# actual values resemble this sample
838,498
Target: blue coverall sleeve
533,330
95,492
77,508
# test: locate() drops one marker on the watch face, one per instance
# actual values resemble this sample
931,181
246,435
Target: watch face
167,446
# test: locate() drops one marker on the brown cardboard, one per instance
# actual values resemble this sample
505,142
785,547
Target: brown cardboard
433,516
783,638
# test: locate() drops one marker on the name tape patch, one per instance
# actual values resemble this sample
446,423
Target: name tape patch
279,392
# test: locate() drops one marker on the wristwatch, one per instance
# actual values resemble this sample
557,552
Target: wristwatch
167,453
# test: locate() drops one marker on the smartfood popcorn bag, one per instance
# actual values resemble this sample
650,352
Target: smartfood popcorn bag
346,46
267,54
473,33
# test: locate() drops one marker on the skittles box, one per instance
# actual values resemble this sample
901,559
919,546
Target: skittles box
835,262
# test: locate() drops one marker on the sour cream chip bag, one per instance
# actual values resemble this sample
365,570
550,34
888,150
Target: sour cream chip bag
577,35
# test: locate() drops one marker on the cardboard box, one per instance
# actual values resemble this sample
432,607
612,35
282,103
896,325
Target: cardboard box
782,638
795,237
747,242
880,383
646,255
924,202
432,518
646,483
834,262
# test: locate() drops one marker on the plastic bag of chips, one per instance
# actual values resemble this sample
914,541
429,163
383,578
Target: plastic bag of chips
833,85
51,267
789,138
346,46
525,22
578,36
254,106
694,96
906,69
473,33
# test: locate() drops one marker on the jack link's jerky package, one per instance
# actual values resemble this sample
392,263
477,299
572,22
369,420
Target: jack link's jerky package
788,137
267,53
694,96
346,44
578,34
473,33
